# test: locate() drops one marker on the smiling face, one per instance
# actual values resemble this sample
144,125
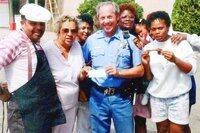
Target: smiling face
67,33
126,20
83,32
159,30
34,30
108,19
141,30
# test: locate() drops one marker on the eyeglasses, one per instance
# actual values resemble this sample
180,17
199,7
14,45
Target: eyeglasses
73,31
128,17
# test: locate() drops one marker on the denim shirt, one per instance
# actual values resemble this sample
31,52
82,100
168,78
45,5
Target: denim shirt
114,51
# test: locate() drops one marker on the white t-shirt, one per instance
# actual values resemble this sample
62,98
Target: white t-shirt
168,80
65,71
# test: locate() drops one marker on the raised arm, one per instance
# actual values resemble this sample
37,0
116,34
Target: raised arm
145,62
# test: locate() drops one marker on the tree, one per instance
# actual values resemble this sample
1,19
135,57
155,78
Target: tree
89,6
186,16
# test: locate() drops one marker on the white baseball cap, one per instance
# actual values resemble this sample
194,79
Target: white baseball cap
36,13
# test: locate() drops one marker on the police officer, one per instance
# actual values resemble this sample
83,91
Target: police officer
115,59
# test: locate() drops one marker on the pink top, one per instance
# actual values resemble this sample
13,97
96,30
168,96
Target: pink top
14,58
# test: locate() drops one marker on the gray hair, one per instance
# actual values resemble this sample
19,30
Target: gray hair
63,19
116,7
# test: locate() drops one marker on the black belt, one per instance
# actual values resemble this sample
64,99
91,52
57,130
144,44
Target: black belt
109,91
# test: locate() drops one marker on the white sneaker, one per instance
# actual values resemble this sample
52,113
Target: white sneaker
145,99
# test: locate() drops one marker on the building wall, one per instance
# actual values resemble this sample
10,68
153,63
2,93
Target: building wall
70,7
4,15
155,5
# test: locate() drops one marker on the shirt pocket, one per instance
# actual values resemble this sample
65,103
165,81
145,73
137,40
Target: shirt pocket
124,59
97,58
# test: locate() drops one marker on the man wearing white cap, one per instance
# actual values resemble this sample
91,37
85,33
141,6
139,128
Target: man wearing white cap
28,75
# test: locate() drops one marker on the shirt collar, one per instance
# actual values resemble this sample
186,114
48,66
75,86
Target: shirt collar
118,34
25,37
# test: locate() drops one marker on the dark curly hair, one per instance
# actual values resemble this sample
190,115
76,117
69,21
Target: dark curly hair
129,6
159,15
85,18
141,22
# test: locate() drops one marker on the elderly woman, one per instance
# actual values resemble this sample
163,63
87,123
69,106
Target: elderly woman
66,61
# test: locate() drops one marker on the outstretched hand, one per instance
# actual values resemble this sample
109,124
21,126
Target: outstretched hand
84,72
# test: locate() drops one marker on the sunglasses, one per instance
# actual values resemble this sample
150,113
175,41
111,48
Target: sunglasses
73,31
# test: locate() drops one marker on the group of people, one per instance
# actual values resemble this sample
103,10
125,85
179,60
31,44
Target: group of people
80,76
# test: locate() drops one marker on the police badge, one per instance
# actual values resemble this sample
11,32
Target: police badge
122,45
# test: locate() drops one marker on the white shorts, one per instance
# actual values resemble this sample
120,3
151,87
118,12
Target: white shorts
175,109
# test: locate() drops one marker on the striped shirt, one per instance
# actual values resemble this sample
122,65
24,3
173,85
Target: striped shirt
14,58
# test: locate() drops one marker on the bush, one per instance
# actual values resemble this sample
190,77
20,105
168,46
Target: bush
186,16
89,6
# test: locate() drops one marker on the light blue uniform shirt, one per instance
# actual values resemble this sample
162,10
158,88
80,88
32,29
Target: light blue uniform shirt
114,51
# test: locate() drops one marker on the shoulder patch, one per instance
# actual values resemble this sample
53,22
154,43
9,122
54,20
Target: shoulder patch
137,43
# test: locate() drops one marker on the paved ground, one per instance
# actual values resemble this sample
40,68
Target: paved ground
194,118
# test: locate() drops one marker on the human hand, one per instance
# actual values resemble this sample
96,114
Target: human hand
84,72
169,55
82,96
143,39
5,95
112,70
177,38
145,58
4,85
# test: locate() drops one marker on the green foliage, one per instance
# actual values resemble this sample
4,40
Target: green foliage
186,16
89,6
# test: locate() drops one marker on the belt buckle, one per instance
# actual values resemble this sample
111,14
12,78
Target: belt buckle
109,91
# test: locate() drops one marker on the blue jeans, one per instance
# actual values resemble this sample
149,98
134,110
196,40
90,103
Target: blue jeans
103,108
